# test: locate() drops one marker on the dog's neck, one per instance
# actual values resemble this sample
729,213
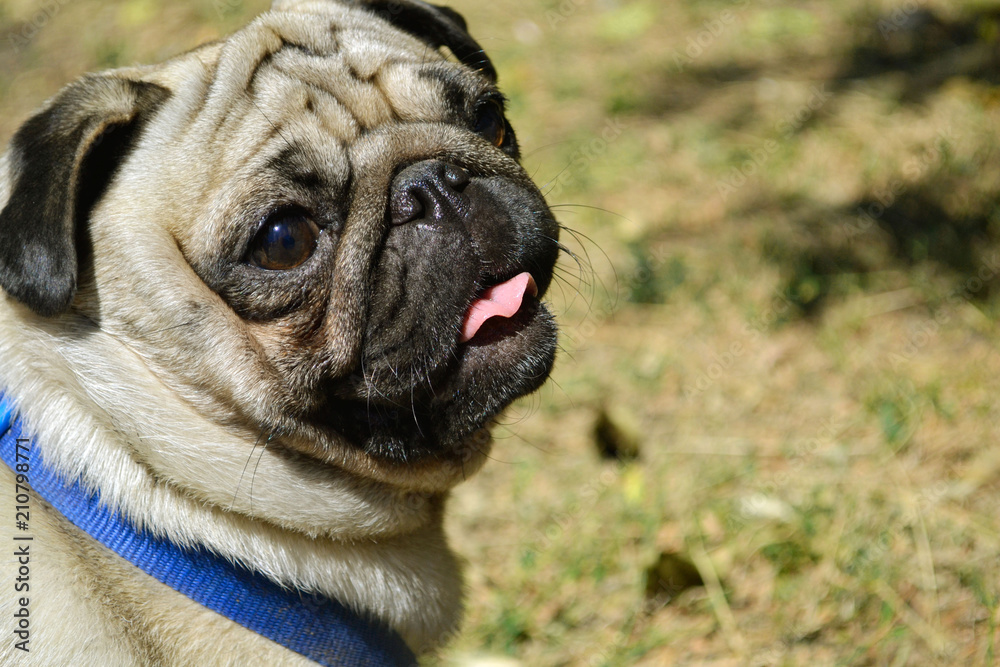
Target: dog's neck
42,366
314,626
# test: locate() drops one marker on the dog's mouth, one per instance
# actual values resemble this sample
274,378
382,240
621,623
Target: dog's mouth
494,313
504,349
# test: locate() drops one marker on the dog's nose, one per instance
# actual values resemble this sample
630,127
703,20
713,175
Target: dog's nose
429,190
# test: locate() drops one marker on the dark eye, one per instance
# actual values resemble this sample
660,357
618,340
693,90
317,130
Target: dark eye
286,240
490,124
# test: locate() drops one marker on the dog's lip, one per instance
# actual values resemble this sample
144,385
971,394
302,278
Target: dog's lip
503,299
434,426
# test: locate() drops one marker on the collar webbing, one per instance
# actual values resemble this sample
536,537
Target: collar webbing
319,628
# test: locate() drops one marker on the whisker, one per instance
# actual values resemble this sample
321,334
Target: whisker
244,472
257,465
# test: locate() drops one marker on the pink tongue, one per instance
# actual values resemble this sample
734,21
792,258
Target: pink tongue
503,300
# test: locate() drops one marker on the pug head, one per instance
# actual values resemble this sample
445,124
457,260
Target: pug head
315,232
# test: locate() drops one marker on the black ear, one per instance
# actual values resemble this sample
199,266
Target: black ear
438,26
53,166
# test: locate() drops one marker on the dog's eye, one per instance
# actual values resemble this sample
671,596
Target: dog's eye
285,241
490,124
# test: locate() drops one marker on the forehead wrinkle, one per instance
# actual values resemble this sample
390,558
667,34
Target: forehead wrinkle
305,141
310,166
334,82
331,114
398,90
278,117
339,50
245,53
332,75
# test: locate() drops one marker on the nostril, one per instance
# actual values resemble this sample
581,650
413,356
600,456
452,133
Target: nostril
427,189
405,206
456,177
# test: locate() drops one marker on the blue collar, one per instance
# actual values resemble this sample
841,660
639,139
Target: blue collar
321,629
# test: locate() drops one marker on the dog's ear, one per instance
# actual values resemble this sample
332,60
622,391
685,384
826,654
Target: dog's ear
436,25
59,164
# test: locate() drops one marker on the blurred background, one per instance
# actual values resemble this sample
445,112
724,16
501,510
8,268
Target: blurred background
772,434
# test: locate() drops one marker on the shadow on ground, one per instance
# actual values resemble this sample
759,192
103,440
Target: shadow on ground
945,223
926,49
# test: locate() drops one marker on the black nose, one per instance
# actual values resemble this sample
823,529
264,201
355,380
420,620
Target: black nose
429,190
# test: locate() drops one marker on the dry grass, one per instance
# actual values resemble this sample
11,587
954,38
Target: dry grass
814,391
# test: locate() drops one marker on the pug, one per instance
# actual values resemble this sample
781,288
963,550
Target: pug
261,303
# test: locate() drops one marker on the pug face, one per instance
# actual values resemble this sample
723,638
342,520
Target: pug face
316,233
